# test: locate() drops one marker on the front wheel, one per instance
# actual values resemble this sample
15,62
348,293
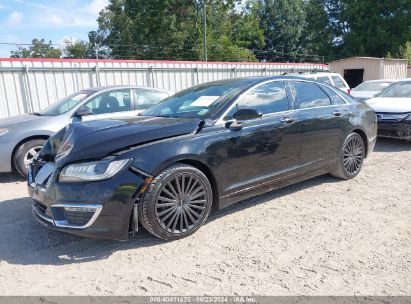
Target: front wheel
176,203
25,153
351,158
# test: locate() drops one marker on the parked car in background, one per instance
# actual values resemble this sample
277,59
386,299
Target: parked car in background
393,109
205,147
334,79
22,137
370,89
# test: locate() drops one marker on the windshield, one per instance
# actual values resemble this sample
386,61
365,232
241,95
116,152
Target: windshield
201,101
66,104
372,86
399,89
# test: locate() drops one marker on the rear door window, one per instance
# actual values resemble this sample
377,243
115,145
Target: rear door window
310,95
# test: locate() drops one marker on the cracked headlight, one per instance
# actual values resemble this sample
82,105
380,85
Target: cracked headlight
93,171
3,131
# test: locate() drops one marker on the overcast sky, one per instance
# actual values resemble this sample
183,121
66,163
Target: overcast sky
23,20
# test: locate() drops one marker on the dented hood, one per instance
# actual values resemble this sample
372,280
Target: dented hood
100,138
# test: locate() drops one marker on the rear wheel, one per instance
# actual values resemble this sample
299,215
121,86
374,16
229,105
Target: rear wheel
352,156
176,203
25,153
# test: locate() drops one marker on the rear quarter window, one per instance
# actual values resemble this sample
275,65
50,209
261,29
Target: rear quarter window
335,98
325,79
338,82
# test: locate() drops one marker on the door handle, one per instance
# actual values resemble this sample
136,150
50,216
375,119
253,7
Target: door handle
287,120
337,113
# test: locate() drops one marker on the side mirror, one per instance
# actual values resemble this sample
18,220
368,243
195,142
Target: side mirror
82,111
246,114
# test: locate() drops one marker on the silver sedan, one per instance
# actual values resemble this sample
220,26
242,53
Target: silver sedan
22,137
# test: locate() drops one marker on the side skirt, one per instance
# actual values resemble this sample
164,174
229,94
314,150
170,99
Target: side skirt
273,185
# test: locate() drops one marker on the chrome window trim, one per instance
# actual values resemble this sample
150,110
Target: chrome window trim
64,224
220,121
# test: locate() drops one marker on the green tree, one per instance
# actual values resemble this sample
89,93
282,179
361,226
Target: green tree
282,22
369,27
166,29
76,48
317,35
38,49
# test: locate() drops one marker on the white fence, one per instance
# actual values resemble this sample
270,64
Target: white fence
28,85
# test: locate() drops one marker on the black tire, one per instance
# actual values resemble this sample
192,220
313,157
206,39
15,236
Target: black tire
24,153
351,158
188,204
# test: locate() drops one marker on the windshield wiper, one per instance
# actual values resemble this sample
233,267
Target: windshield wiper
36,113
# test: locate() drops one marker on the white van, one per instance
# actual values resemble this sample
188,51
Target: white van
334,79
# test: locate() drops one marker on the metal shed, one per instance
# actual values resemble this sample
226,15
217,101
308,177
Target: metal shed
356,70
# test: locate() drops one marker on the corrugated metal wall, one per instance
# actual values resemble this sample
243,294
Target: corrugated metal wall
394,69
28,85
374,68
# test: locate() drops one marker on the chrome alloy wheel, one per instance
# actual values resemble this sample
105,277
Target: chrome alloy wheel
181,203
30,154
353,155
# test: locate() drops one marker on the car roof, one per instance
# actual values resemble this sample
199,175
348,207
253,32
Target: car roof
404,80
111,87
380,80
320,74
251,80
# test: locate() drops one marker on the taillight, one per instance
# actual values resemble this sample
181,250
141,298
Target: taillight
349,91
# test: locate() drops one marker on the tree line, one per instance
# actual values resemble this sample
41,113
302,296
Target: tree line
235,30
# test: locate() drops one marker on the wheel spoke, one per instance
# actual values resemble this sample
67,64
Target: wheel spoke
180,194
164,205
188,184
172,189
193,197
183,179
195,206
160,214
173,196
185,218
198,202
196,190
165,199
171,221
193,212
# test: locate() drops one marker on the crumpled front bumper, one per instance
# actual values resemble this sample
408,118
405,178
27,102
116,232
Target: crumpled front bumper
100,209
400,130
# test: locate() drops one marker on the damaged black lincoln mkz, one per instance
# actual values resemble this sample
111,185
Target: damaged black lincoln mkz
203,148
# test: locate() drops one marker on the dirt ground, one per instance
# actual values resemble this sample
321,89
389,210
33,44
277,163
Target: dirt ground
319,237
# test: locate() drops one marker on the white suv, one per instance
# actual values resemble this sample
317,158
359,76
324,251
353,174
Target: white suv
334,79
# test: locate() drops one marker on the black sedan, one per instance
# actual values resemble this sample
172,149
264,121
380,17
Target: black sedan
203,148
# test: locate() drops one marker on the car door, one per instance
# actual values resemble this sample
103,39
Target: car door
264,148
114,103
321,124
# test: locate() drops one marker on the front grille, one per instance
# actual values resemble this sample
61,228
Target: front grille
78,218
388,133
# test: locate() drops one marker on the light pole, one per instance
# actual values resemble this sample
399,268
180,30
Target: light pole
205,29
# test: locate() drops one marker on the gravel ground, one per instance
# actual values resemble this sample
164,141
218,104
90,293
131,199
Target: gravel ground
319,237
